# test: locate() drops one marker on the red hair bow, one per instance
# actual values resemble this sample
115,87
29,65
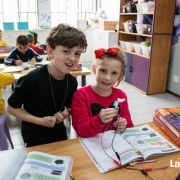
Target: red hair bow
99,53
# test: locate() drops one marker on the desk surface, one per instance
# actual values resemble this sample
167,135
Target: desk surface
84,168
82,72
4,55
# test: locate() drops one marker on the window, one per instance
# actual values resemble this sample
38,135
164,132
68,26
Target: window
69,11
19,11
28,12
62,11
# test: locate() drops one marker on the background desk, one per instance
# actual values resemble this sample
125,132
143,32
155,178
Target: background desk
3,55
85,169
81,73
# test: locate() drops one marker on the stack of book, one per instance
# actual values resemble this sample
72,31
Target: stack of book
168,120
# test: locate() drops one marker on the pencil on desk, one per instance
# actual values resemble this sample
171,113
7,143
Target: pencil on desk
17,56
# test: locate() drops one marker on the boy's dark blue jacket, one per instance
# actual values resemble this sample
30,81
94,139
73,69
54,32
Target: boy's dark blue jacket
16,55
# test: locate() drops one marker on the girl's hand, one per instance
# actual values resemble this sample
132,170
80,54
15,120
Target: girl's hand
18,62
107,115
49,121
120,124
32,61
61,116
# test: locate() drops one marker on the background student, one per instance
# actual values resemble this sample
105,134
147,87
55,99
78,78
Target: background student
22,53
42,98
101,106
37,49
36,42
5,80
2,43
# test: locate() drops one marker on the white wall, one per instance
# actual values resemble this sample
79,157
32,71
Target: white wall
111,8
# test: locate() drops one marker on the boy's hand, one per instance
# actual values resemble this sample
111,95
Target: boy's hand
107,115
120,124
18,62
49,121
61,116
32,61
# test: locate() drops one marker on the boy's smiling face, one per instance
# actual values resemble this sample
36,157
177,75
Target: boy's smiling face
22,48
64,59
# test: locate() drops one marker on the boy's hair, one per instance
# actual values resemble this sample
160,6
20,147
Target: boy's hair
30,38
121,57
0,30
65,35
22,40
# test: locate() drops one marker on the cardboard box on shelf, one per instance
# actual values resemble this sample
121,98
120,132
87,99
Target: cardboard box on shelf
108,25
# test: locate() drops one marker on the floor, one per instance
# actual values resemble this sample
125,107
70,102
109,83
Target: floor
141,107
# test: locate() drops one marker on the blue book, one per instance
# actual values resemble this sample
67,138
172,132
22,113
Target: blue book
8,25
23,25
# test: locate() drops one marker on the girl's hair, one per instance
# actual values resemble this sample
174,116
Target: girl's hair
119,57
35,38
65,35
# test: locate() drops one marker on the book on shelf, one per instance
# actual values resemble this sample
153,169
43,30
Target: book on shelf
171,118
18,164
166,130
134,144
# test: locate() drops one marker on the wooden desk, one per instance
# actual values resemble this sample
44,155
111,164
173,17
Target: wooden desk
4,55
81,73
85,169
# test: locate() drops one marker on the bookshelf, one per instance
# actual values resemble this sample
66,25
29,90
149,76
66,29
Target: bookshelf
149,74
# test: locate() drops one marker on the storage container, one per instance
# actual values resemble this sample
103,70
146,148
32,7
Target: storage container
146,50
137,48
130,8
122,45
126,28
147,6
138,8
129,46
149,29
129,28
140,1
132,28
141,28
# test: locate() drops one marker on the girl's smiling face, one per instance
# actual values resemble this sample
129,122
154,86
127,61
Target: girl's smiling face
107,73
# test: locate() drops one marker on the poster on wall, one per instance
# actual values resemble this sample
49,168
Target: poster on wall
44,13
176,28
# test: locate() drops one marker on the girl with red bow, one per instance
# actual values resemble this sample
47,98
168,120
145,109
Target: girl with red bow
102,106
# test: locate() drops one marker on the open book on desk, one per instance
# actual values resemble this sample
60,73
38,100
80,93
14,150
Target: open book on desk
134,144
24,66
17,164
27,65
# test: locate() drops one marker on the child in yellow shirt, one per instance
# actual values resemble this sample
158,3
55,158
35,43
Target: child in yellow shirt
5,80
2,43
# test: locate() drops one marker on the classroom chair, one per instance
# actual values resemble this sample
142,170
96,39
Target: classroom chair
4,133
